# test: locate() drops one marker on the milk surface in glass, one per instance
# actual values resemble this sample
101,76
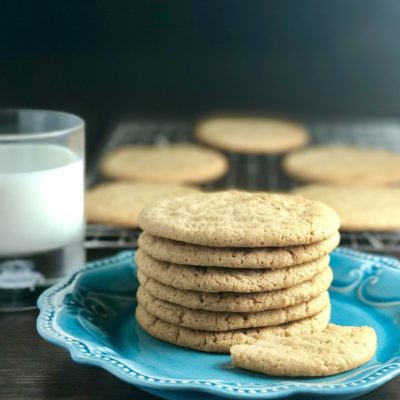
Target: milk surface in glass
41,198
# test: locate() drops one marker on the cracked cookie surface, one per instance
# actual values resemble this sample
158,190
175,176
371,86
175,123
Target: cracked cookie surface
230,257
221,342
225,321
120,203
241,219
211,279
240,302
332,351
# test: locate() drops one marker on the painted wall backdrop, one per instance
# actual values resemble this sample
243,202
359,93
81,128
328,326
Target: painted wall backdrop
103,59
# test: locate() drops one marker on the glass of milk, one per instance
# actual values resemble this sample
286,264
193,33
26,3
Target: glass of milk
41,202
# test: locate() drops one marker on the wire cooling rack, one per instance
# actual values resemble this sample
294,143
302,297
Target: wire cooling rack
251,172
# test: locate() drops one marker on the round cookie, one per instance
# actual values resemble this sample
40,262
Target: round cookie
225,321
332,351
174,163
120,203
240,302
251,135
230,257
241,219
359,208
209,279
221,342
344,165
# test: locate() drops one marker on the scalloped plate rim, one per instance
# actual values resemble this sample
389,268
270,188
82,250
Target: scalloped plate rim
226,389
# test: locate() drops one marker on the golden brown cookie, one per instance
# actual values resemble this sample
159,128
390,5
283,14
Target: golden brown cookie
329,352
211,279
221,342
226,321
240,302
120,203
241,219
359,208
174,163
344,165
251,135
230,257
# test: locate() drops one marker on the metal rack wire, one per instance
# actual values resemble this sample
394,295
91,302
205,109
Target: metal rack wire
251,172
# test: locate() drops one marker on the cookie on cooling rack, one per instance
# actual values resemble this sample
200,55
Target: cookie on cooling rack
173,163
251,134
344,165
120,203
359,208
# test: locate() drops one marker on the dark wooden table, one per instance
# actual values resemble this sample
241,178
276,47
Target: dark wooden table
32,369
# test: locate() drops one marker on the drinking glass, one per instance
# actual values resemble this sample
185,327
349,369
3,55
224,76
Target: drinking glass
41,202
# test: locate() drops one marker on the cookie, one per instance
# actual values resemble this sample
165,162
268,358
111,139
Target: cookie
359,208
241,219
251,135
332,351
344,165
221,342
174,163
209,279
226,321
240,302
266,257
120,203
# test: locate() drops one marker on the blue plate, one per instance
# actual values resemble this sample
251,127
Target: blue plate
92,315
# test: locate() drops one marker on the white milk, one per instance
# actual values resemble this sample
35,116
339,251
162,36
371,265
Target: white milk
41,198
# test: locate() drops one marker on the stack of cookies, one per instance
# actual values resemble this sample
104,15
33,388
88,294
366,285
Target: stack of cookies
233,267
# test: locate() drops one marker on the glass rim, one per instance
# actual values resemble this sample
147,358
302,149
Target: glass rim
75,124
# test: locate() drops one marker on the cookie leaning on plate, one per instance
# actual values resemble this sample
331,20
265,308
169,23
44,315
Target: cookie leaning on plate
241,219
221,342
230,257
209,279
240,302
120,203
359,208
332,351
225,321
344,165
173,163
251,135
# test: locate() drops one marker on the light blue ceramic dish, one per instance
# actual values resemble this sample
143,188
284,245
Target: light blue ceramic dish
91,315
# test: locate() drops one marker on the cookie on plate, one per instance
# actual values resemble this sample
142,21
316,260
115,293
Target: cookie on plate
225,321
359,208
344,165
120,203
240,302
332,351
209,279
241,219
221,342
234,257
174,163
251,135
